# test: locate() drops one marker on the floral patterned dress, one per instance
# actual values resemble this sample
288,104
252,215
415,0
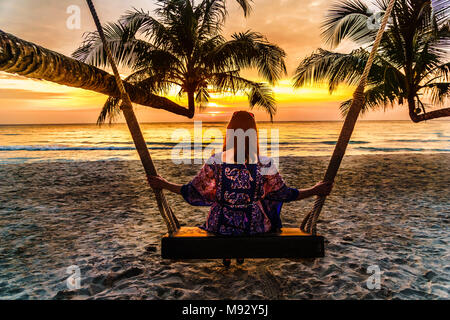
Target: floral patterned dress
243,200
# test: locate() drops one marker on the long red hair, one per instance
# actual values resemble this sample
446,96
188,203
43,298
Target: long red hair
245,121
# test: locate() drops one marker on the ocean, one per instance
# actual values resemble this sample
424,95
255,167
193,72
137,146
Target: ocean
89,142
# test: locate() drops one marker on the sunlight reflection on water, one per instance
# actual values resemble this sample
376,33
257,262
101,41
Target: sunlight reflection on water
35,143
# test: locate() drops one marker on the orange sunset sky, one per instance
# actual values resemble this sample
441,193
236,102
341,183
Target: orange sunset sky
292,24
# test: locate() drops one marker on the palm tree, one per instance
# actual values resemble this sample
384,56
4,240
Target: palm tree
182,47
30,60
411,65
27,59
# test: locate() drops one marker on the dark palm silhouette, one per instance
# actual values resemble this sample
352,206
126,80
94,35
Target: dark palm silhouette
412,62
181,46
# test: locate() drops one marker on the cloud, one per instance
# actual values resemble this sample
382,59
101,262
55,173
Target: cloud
44,22
22,94
292,24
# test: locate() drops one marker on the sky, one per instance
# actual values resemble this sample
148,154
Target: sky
292,24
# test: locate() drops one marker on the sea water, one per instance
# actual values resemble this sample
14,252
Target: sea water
89,142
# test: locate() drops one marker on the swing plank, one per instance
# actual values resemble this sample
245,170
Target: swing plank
195,243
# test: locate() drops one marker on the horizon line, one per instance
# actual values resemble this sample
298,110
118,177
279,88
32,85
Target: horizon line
185,122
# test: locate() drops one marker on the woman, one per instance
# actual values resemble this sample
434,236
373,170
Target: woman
245,190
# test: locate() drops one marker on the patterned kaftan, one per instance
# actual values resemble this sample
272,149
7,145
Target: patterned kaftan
243,200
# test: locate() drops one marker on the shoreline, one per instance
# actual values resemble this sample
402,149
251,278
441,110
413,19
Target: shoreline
386,210
191,161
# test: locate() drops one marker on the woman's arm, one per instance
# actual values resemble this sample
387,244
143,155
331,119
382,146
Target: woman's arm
320,189
158,182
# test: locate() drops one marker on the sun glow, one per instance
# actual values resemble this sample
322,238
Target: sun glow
42,98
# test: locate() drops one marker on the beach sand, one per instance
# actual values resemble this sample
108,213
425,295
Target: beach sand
386,210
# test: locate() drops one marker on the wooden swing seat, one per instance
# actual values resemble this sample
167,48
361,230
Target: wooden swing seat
195,243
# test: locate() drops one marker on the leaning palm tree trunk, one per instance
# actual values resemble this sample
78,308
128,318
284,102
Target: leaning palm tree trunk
135,130
310,220
32,61
427,115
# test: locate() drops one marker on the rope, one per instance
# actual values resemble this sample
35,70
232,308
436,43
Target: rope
136,133
309,223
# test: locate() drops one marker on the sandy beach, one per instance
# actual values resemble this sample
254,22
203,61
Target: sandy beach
386,210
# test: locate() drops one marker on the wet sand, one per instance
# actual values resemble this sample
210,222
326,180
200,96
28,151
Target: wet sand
386,210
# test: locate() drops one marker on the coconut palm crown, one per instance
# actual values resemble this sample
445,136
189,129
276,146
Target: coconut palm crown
412,65
181,46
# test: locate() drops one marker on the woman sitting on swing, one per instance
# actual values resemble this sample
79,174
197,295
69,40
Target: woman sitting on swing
245,190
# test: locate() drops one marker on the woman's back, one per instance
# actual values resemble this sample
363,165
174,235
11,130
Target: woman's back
245,191
243,200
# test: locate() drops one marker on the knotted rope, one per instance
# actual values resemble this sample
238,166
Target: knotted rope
136,133
310,221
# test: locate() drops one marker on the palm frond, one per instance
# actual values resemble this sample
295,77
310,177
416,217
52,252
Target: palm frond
393,49
336,68
111,111
228,81
202,97
251,50
154,30
121,40
111,108
347,19
160,61
375,98
442,71
339,68
209,13
246,5
441,12
261,96
439,92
